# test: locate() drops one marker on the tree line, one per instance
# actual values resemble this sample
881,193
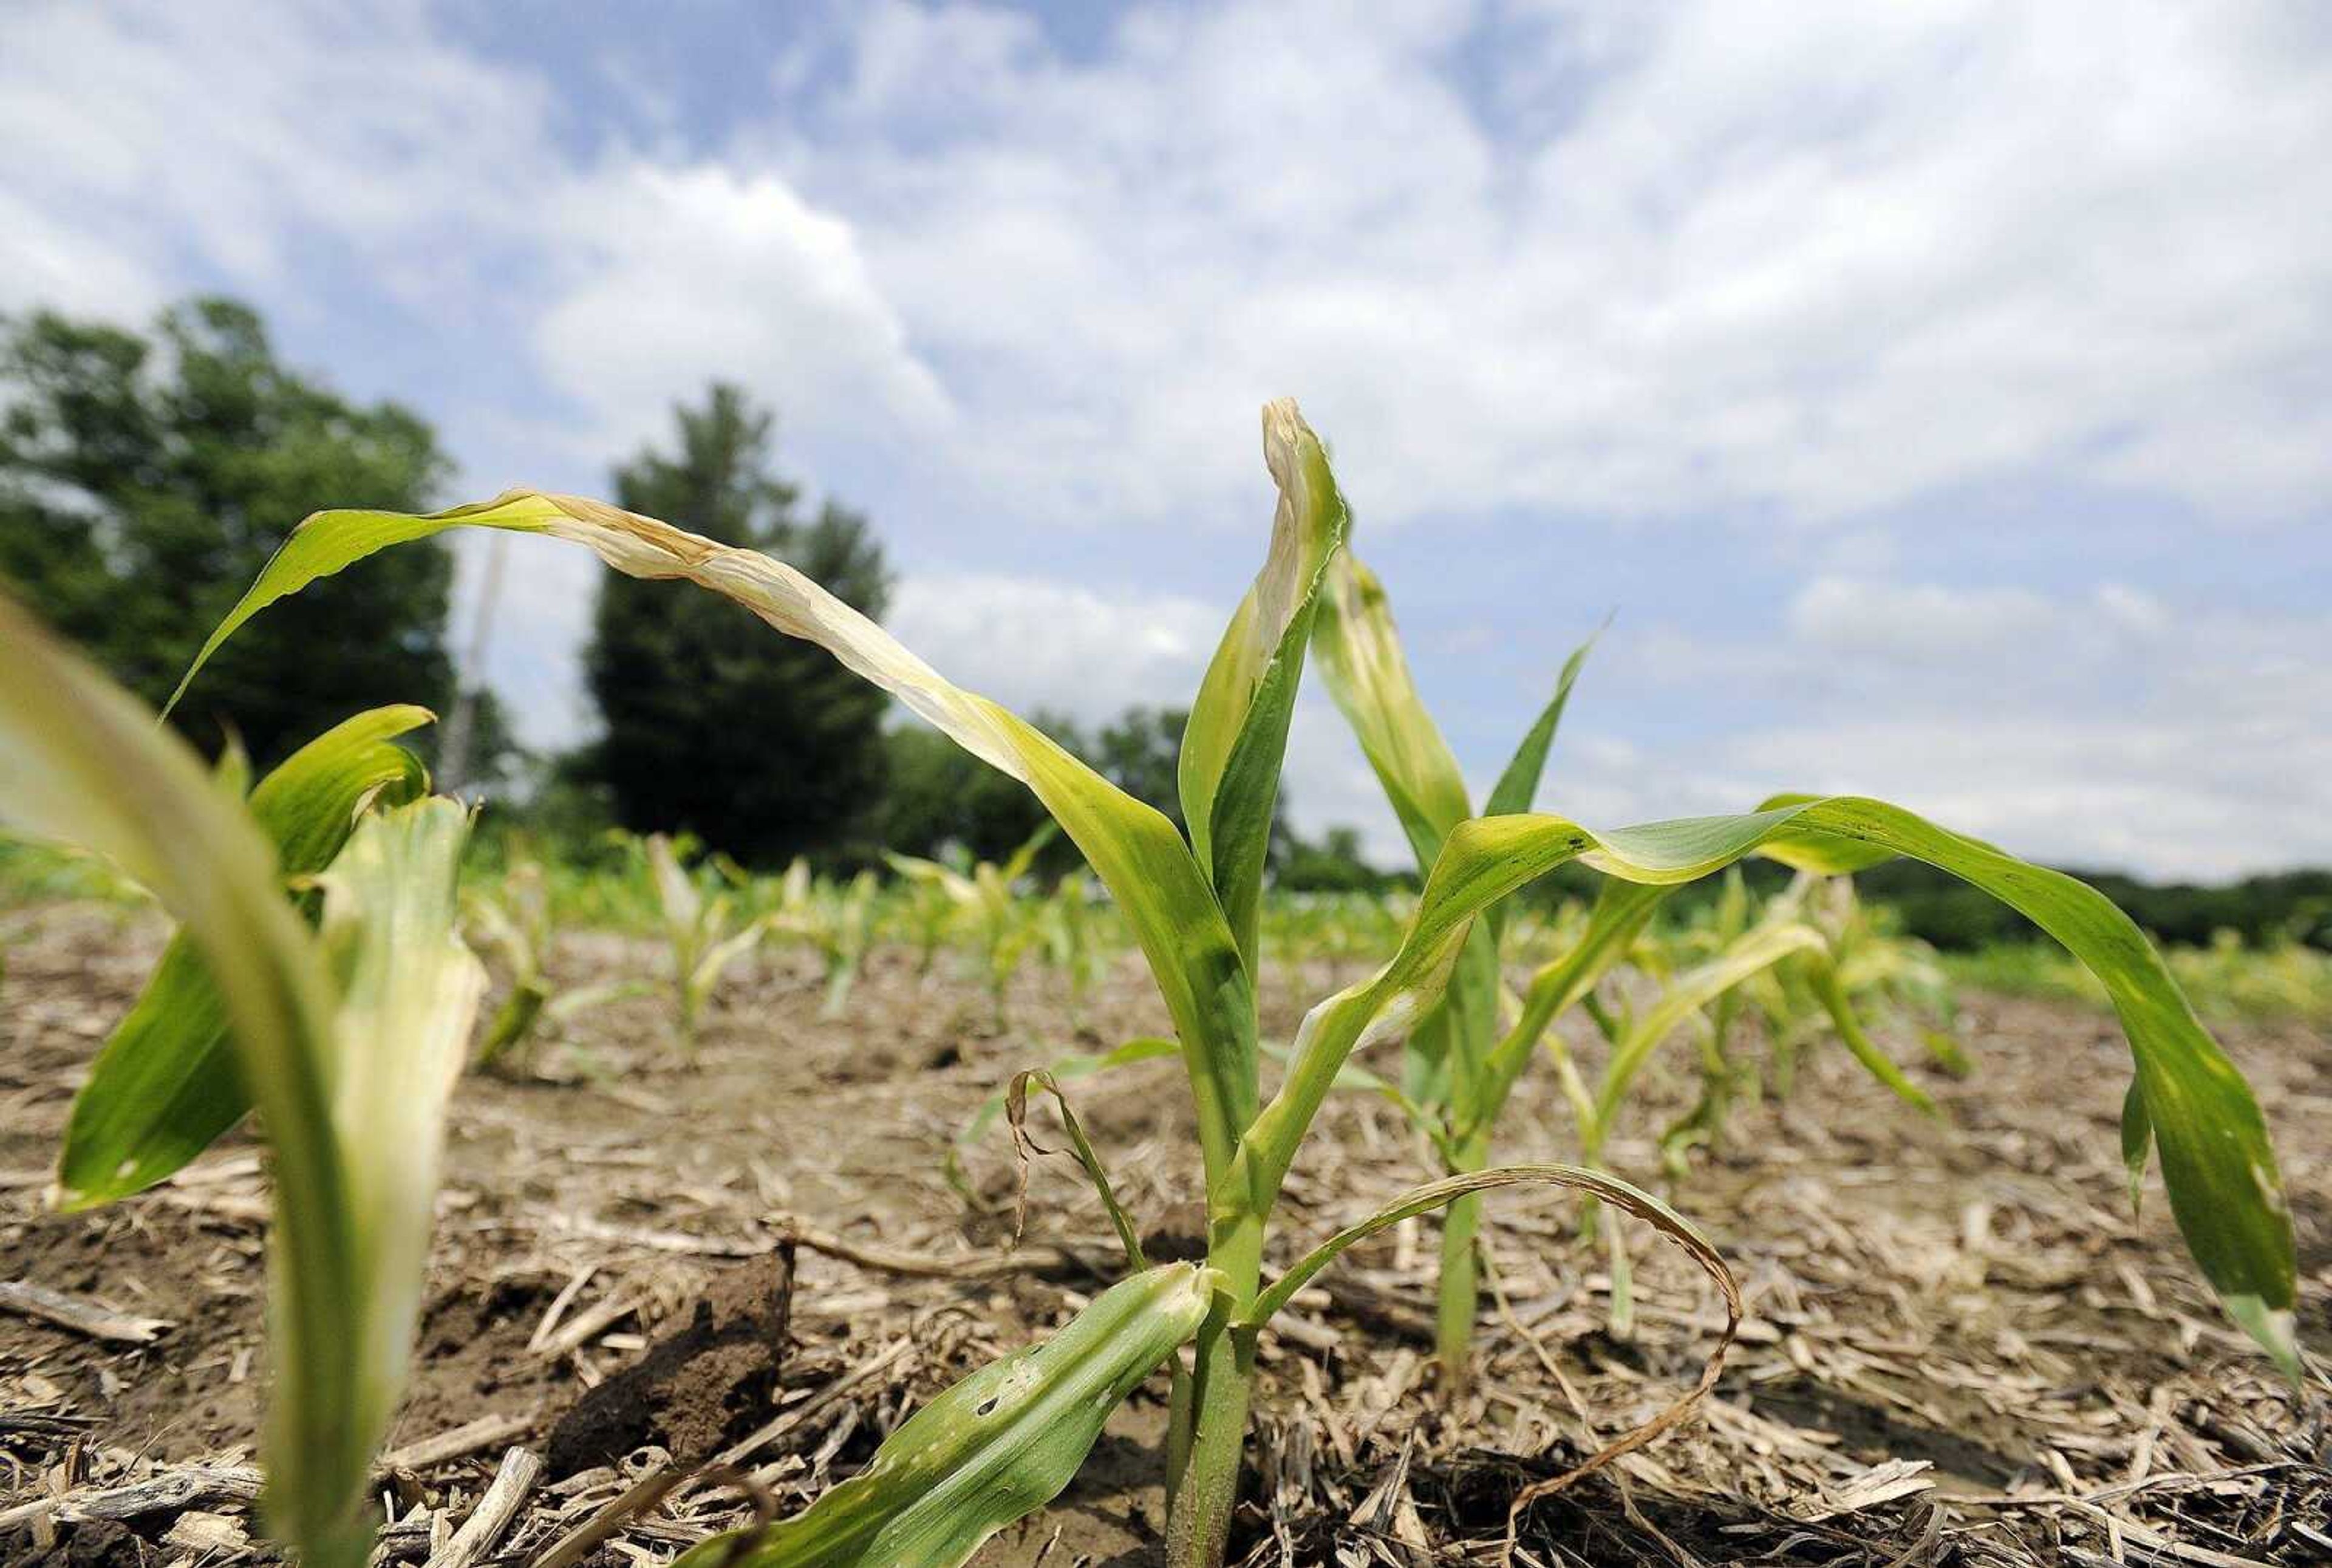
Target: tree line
146,477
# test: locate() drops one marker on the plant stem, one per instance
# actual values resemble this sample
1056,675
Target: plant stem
1204,1465
1460,1286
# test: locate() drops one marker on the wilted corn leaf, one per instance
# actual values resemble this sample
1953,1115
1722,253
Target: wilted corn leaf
409,996
998,1445
165,1086
1232,749
83,761
2216,1159
1165,897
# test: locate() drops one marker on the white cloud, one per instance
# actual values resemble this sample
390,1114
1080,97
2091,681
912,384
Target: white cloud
675,275
1822,260
1922,622
2096,728
223,140
1031,644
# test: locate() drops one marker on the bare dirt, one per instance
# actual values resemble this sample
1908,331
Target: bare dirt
1961,1346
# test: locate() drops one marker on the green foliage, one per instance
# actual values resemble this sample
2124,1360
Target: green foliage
144,481
350,1039
1332,865
998,1445
165,1085
762,746
2276,980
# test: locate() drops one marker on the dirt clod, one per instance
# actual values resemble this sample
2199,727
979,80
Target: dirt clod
698,1388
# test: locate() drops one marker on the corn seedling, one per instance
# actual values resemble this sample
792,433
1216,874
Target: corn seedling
837,922
702,934
989,908
515,924
927,911
348,1039
1073,940
1009,1439
1851,969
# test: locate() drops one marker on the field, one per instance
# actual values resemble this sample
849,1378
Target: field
1960,1346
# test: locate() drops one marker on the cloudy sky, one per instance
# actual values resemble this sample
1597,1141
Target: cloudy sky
1939,395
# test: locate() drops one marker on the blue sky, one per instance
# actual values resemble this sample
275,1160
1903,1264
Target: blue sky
1939,395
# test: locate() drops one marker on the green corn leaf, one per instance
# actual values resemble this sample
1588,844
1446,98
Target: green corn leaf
1686,995
87,764
310,804
1232,749
1367,673
995,1447
1166,898
165,1086
2216,1159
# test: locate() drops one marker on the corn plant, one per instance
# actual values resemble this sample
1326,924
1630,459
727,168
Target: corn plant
515,924
1075,940
1193,905
348,1040
1457,1072
1340,929
987,906
1864,971
837,922
703,935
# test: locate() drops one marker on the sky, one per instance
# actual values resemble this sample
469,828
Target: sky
1936,397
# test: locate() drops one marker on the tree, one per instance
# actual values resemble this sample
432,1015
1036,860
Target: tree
760,745
1333,865
144,482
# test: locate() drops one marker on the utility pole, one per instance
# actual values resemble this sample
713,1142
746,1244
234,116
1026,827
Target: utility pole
453,766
